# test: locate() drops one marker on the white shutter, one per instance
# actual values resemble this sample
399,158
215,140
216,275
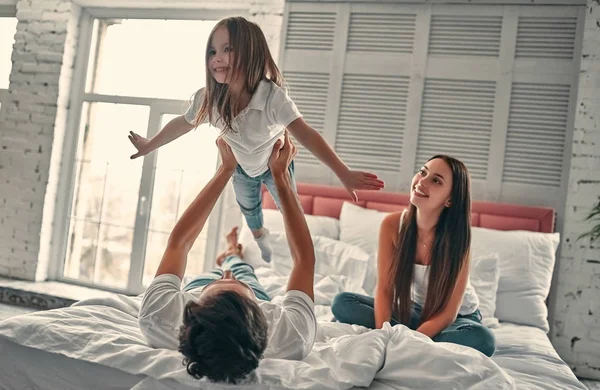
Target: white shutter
380,32
536,134
309,92
549,37
373,100
310,30
456,119
492,85
465,35
371,121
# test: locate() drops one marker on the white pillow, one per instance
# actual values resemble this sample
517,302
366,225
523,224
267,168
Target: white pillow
318,225
332,257
360,226
484,278
273,220
526,262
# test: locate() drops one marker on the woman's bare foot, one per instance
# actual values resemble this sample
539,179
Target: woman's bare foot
233,247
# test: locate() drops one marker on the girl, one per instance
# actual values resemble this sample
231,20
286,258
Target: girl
244,99
423,264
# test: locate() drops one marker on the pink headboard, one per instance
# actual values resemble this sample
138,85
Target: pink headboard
327,201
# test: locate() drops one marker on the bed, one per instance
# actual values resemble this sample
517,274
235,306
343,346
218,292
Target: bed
96,344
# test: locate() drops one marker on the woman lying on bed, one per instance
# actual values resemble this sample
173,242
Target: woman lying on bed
223,322
423,264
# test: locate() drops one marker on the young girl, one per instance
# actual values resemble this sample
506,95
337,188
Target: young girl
423,264
244,99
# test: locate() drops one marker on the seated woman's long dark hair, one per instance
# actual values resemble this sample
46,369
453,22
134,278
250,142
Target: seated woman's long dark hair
448,253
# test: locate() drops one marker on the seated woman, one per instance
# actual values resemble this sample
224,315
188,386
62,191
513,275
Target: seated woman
423,264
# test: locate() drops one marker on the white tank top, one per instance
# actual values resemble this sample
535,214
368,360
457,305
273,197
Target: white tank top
470,301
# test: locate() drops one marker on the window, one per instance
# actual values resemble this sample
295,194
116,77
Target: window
8,28
140,75
149,58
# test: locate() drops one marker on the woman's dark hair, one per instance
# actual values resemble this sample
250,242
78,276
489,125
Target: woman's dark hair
448,253
223,337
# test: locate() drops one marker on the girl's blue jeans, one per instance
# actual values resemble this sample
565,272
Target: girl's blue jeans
249,196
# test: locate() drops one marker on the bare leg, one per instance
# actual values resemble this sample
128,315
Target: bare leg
233,247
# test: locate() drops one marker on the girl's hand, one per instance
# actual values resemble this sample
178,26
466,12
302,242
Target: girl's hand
357,180
140,143
228,160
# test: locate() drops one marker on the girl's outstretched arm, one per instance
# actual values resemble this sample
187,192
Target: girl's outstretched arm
316,144
174,129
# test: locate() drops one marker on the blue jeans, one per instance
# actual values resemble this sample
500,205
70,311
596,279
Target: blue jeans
467,330
240,269
248,194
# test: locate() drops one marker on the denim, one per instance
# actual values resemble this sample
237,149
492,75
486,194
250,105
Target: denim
242,271
351,308
248,194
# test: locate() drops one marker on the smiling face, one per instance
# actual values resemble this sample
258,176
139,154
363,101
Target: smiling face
220,56
431,186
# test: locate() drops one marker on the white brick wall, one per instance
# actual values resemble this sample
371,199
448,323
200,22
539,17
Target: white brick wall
576,331
32,132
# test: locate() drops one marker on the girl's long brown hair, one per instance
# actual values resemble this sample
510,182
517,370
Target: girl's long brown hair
448,253
253,63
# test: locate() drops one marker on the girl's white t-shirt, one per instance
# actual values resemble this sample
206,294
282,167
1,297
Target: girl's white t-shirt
257,127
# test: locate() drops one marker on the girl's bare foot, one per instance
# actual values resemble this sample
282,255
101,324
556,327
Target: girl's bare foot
233,247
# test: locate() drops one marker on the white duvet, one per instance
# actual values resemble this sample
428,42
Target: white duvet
105,331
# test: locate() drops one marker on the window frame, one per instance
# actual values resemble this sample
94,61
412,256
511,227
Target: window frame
158,107
6,11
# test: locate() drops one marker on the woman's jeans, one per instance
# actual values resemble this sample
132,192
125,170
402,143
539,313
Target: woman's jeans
467,330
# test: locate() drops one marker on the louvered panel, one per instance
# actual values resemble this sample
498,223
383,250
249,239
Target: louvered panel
310,30
464,35
456,119
371,121
388,33
536,134
549,37
309,92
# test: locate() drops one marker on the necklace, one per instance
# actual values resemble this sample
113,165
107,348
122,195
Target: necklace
423,243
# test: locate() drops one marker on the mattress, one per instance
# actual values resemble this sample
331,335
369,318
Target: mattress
23,368
524,352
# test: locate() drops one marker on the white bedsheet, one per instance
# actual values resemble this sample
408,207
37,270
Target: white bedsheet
105,331
526,354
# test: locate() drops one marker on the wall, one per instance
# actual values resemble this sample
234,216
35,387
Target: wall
576,322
